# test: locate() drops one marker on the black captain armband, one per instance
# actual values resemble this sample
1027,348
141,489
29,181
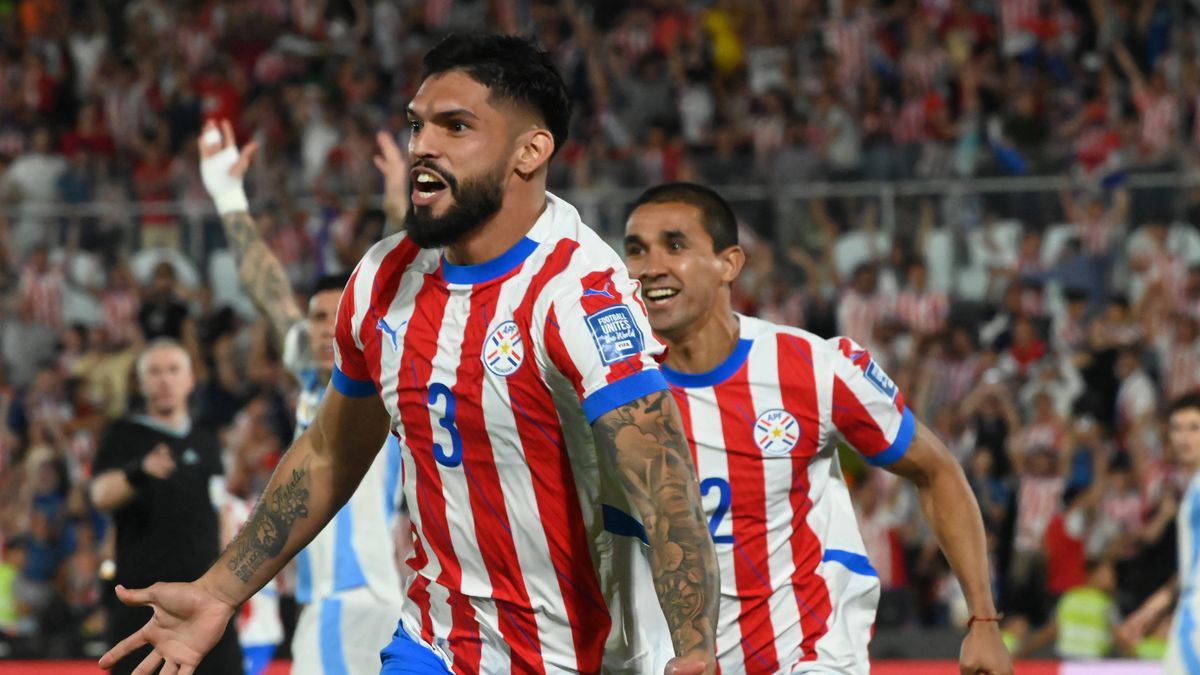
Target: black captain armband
135,474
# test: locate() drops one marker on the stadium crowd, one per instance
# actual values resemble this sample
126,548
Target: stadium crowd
1040,334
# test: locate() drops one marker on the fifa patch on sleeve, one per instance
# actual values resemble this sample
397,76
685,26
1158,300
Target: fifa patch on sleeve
616,334
880,379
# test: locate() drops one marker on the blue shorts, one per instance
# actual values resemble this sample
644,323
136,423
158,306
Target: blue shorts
405,655
256,659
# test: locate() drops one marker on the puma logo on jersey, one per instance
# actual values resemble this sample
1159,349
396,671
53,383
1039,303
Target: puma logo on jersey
603,292
390,332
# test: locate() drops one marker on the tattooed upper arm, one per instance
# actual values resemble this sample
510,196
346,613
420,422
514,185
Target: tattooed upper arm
262,275
643,441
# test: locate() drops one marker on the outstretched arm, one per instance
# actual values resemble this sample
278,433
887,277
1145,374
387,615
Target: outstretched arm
315,478
223,169
644,442
951,509
1129,67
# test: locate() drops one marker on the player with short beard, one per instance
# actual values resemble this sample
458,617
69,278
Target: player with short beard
517,369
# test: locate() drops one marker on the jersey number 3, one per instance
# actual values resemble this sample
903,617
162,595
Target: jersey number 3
454,458
726,497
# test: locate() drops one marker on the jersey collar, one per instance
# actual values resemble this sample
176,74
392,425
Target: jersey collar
178,432
717,375
492,269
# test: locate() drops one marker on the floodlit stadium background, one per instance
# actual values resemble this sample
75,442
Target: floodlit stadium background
1036,157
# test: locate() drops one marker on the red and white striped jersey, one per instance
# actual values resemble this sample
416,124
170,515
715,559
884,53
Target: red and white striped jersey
1043,435
850,38
493,374
1039,499
922,312
42,293
1180,366
1159,120
1126,509
910,123
796,584
859,314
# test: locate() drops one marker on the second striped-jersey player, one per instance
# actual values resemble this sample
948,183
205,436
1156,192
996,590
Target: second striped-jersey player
764,408
765,425
493,375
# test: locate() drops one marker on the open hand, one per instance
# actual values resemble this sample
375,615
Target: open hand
188,621
223,167
216,138
393,164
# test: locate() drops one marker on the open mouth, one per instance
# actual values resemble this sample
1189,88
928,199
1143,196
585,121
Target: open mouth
658,296
427,186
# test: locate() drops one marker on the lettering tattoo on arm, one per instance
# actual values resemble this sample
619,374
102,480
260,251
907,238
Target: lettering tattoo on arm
651,456
265,533
261,273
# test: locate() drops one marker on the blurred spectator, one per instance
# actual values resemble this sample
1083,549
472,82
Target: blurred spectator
1039,492
164,314
41,290
153,179
11,609
1066,541
862,308
32,180
1086,616
1137,398
918,308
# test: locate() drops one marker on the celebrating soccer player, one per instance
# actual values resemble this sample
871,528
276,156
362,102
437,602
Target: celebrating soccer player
764,408
503,344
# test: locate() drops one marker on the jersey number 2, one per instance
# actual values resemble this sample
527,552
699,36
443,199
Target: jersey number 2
726,497
452,459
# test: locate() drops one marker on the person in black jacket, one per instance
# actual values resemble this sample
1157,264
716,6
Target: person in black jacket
160,478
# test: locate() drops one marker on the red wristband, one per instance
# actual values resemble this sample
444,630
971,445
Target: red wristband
971,622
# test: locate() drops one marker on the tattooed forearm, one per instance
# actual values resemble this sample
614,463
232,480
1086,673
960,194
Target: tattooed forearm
645,444
240,233
261,273
265,533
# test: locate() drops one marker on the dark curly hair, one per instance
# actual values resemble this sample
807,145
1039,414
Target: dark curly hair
514,69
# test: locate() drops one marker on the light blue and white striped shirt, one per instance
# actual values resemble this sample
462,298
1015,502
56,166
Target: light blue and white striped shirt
356,549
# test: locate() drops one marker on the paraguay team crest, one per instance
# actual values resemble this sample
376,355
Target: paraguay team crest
504,351
776,432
